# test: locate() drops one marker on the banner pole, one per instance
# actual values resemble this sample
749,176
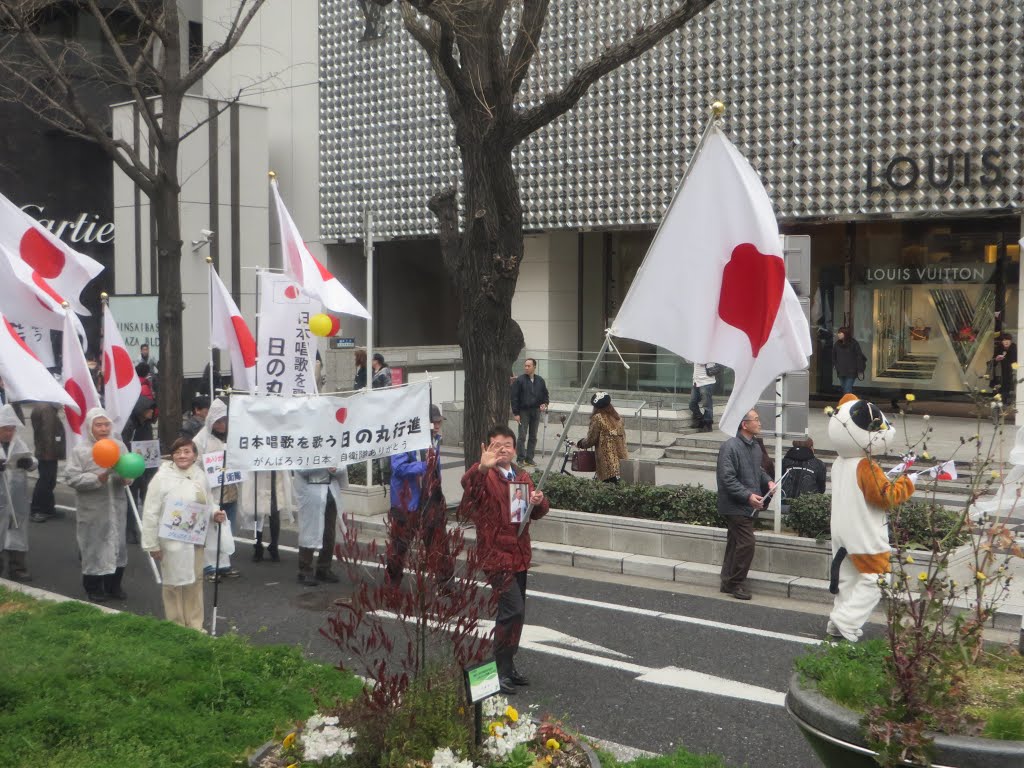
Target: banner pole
368,248
568,423
138,522
209,310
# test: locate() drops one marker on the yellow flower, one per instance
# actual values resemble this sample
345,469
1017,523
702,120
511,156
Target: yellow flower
462,710
910,397
997,397
493,728
926,456
922,577
512,714
829,410
294,765
1015,366
995,474
979,576
910,559
288,740
548,759
552,744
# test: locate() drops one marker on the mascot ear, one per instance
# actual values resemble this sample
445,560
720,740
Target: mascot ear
847,399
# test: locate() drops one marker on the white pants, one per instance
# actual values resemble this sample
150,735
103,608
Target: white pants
858,595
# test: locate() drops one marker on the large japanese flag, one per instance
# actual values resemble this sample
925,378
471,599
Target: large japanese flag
63,268
121,385
229,332
713,287
304,268
25,378
77,382
25,297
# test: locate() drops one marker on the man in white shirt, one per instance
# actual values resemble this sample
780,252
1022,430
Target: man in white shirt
701,405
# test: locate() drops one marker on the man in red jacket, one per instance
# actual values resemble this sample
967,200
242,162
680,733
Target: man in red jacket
504,552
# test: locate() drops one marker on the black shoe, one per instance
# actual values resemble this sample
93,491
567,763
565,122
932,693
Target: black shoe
21,576
119,594
307,580
274,557
741,593
726,590
706,427
38,517
518,678
97,597
327,577
507,686
257,554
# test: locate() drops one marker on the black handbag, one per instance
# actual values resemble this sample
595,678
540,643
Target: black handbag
713,369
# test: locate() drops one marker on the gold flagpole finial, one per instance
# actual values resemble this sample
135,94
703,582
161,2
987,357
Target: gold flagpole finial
104,296
209,259
717,109
272,175
65,305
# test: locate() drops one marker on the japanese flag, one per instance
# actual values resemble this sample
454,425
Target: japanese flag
121,385
77,382
62,268
229,332
25,378
26,298
302,267
713,284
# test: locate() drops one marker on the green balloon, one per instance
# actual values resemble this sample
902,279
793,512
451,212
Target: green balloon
130,466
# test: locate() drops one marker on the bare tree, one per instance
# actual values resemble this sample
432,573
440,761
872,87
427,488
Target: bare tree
481,80
70,87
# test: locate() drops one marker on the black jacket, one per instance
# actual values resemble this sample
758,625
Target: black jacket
528,394
848,359
802,460
137,427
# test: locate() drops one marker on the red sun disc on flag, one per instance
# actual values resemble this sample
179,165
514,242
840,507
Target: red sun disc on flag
752,286
40,254
75,420
124,370
246,343
18,340
45,287
341,414
291,292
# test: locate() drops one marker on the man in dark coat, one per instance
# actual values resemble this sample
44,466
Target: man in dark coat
504,551
803,472
48,435
742,484
139,427
529,400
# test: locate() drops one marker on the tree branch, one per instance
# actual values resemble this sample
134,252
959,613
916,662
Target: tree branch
524,47
238,26
557,104
438,42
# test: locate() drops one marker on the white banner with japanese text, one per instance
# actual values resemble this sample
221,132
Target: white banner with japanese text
266,433
286,350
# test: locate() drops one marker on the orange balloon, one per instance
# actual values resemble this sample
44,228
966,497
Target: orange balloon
106,453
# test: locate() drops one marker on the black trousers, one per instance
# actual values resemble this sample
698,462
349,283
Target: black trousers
529,421
42,496
508,625
739,550
404,528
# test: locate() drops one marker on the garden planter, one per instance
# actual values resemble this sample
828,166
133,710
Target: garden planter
836,736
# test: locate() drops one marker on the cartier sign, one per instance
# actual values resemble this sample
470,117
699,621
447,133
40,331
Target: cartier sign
938,170
86,228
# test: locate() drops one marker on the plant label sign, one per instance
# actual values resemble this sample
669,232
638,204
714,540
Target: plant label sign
482,681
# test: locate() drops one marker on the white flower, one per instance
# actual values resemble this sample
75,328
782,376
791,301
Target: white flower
322,738
445,758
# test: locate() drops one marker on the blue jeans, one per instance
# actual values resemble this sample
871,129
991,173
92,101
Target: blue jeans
846,384
701,396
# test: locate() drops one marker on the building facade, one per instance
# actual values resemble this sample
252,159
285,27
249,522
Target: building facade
889,132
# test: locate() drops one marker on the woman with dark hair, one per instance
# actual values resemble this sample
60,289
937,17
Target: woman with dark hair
181,563
847,359
360,380
607,436
1004,377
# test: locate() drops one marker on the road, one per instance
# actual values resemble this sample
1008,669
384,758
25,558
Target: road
648,664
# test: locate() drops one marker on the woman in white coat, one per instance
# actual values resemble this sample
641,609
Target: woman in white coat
317,499
15,462
212,438
101,511
181,562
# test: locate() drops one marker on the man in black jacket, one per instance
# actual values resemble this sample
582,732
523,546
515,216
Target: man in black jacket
742,484
529,398
803,471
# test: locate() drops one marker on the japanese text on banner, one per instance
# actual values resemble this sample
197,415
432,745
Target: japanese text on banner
213,465
268,433
286,350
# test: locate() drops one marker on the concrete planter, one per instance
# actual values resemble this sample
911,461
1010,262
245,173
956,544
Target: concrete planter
836,736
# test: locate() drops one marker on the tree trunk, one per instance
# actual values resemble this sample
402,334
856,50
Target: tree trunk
169,308
483,261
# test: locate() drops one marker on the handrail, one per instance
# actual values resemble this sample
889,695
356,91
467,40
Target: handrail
640,418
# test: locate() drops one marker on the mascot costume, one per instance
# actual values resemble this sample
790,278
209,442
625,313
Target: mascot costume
862,496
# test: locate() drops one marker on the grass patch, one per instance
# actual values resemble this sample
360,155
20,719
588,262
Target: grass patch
995,695
681,758
84,689
850,674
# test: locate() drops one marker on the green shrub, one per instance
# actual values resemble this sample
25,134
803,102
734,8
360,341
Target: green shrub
914,525
850,674
691,504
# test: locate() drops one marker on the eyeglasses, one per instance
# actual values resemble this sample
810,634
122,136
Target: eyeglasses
756,418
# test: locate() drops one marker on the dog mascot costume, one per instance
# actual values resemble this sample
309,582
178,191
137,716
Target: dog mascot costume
862,496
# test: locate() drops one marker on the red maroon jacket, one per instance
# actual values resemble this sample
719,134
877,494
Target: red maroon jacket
485,502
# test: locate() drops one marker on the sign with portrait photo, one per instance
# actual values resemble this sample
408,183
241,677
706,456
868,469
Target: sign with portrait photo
518,501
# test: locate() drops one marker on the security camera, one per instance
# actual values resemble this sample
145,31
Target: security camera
207,233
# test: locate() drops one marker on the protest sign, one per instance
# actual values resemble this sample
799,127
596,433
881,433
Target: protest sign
266,433
213,465
286,350
184,521
148,450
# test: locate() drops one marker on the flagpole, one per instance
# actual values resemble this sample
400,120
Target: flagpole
105,308
209,309
368,248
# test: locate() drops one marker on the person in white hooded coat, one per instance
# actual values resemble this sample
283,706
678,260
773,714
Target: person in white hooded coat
15,462
212,438
318,500
101,511
181,562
